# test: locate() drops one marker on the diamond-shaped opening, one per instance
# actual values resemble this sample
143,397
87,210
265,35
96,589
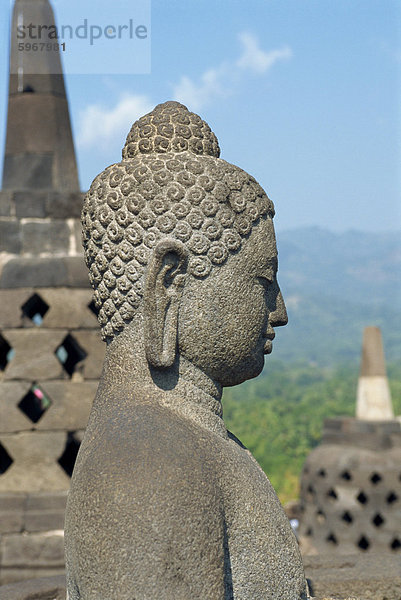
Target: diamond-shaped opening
331,538
378,520
346,475
310,489
93,308
68,458
35,403
363,543
395,544
347,517
391,498
320,516
375,478
70,354
6,353
5,460
332,494
362,498
322,473
309,531
35,309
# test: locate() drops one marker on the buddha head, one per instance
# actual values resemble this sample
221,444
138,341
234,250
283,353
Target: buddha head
181,243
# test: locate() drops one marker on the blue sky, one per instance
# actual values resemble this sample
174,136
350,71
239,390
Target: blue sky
303,94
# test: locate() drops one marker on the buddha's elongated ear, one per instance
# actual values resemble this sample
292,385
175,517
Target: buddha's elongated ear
163,289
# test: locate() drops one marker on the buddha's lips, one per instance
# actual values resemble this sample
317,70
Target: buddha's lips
268,347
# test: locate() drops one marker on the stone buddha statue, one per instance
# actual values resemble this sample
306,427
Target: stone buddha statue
166,503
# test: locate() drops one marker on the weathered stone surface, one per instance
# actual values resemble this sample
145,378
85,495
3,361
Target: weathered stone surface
10,501
10,236
34,272
372,577
43,521
45,501
44,272
351,500
39,149
92,342
30,513
33,550
163,499
35,356
76,272
37,170
373,402
11,302
30,203
68,309
71,404
35,467
45,236
47,587
11,522
11,417
78,235
61,205
5,203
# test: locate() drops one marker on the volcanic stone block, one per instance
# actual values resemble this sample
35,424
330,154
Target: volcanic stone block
10,236
64,205
36,521
11,418
46,587
47,236
37,170
372,577
33,550
30,203
35,467
6,203
71,404
12,510
92,342
34,354
78,236
68,310
76,272
11,302
11,521
46,501
44,272
12,501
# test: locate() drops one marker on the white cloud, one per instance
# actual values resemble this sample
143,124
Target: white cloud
103,127
220,81
195,96
99,126
257,60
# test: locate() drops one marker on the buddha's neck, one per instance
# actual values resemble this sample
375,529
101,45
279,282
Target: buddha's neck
183,388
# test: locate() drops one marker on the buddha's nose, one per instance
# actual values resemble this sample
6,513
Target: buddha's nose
278,317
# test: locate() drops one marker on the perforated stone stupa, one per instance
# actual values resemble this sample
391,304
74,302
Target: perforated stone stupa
351,483
50,348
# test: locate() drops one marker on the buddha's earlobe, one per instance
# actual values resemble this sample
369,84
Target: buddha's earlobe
163,289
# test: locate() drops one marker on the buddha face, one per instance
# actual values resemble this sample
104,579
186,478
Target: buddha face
226,322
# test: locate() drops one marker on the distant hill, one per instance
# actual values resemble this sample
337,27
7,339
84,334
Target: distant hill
334,285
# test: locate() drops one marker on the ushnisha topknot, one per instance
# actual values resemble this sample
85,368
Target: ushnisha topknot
170,127
186,193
